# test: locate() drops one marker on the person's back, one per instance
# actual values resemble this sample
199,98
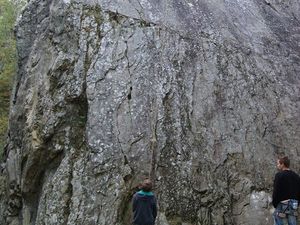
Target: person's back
286,186
144,205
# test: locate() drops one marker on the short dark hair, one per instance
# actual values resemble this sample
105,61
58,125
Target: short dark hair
146,185
285,161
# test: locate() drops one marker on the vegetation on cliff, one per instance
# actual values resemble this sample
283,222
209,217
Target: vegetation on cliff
8,60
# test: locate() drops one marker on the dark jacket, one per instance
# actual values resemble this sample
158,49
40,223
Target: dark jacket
144,208
286,186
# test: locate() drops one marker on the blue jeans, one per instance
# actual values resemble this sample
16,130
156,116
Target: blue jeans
288,211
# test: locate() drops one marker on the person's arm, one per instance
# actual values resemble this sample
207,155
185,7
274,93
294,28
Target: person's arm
275,200
298,195
154,208
134,203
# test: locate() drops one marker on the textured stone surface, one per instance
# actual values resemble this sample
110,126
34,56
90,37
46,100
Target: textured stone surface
200,95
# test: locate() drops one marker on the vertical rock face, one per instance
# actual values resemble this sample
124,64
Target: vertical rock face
199,95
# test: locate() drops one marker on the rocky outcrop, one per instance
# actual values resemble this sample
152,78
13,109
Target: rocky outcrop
199,95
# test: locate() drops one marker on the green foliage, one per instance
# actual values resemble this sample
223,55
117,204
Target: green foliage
9,10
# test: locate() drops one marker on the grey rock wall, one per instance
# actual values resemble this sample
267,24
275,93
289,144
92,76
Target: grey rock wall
201,96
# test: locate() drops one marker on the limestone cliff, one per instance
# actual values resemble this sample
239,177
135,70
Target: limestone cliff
200,95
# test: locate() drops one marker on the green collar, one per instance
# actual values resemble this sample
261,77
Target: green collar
146,193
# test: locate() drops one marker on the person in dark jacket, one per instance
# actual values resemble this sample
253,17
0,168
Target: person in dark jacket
286,193
144,205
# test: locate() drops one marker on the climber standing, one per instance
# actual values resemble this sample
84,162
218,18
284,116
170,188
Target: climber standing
144,205
286,193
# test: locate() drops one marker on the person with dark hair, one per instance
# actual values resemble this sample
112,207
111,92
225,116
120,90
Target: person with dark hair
286,193
144,205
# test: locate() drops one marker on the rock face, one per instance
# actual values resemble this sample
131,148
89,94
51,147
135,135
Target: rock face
200,95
